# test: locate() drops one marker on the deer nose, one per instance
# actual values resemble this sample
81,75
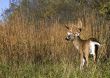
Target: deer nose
66,38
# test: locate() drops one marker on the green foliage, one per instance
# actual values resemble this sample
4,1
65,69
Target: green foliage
59,9
63,69
41,9
105,10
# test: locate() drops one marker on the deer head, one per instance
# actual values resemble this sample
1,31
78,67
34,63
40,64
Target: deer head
73,30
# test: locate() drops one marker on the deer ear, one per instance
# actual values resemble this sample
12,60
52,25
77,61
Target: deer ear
67,27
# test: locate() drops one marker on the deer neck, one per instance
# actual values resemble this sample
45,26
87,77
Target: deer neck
77,42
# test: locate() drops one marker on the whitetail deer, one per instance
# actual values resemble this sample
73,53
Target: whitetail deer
85,47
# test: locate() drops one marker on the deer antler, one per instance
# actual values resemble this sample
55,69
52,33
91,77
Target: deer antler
79,24
66,26
75,27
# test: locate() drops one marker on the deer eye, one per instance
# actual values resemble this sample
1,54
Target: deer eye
69,33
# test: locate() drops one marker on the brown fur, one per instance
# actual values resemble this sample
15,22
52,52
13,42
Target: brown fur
83,46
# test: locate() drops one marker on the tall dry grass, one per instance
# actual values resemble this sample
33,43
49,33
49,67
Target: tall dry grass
40,50
22,43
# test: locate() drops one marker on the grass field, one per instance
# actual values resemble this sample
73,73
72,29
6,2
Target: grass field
64,69
27,52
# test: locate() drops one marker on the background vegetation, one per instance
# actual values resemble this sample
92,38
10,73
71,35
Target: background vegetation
32,36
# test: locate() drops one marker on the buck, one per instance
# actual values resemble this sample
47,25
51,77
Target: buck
85,47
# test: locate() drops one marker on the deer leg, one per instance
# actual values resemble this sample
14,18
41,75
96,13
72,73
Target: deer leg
81,61
94,51
86,57
94,56
84,61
